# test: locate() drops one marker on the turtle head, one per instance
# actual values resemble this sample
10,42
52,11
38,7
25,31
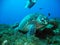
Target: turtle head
41,19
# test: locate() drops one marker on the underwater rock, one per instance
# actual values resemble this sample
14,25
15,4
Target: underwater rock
55,26
4,42
4,26
47,32
54,23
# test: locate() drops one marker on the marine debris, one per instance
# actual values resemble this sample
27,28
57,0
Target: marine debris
40,8
49,14
30,3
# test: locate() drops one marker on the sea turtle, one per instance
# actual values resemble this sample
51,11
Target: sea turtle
32,22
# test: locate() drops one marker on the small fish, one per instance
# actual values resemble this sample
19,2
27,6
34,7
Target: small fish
49,14
40,8
55,18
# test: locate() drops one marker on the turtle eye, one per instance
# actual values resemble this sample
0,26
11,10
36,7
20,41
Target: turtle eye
42,19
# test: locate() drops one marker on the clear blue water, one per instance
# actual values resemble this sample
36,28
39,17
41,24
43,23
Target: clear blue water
12,11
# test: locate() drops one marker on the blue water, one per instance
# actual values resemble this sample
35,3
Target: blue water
13,11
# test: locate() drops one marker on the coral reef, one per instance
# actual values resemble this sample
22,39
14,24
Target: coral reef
46,35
